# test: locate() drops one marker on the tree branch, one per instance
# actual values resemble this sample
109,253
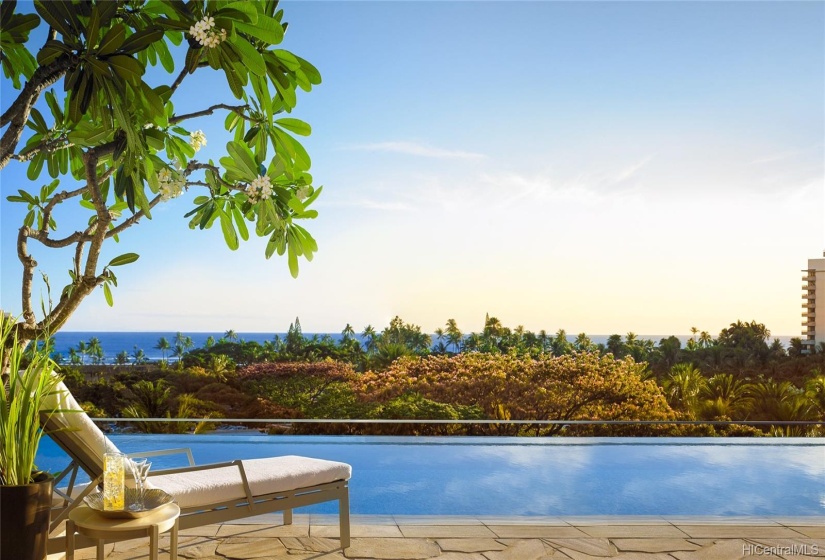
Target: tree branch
50,146
132,220
103,218
29,265
179,79
17,115
239,109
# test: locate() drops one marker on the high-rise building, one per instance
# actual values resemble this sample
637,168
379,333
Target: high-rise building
813,298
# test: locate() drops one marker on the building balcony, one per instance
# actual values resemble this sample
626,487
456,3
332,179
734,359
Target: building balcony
810,314
809,295
809,278
809,305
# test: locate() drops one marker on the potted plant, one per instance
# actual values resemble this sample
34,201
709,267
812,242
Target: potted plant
25,492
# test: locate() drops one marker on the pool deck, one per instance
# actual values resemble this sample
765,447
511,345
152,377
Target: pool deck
315,537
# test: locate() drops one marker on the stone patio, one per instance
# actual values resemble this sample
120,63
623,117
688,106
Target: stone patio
315,537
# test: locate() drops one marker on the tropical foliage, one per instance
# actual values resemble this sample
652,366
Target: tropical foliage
498,373
26,387
98,125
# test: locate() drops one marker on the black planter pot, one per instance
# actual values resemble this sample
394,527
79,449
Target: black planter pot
24,519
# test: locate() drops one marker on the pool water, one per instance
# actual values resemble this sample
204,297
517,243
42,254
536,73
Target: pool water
535,476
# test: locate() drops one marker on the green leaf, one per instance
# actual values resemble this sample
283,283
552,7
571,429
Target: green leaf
112,40
251,57
27,197
48,12
229,233
165,56
125,258
247,8
292,259
141,40
288,59
107,293
267,29
241,222
39,122
243,158
36,166
126,67
295,125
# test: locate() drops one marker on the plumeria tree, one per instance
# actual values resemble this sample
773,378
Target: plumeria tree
96,135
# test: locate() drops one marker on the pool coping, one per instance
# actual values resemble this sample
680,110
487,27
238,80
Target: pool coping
546,521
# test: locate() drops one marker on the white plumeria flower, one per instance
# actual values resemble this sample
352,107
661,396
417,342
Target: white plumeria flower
260,188
171,184
302,192
197,139
204,32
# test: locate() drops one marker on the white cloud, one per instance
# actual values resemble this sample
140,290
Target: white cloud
415,149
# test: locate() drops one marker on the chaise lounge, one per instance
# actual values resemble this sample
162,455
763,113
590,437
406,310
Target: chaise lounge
206,494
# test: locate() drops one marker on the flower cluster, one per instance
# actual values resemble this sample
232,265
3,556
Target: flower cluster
171,183
259,189
205,33
302,192
197,139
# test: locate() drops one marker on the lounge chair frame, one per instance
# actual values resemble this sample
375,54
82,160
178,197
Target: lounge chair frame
218,512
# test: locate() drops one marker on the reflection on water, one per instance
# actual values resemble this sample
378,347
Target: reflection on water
508,476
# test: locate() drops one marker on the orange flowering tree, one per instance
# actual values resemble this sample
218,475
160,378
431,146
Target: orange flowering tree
583,386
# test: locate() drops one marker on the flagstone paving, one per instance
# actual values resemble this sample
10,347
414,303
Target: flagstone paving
314,537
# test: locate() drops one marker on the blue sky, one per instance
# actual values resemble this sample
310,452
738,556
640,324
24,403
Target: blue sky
593,166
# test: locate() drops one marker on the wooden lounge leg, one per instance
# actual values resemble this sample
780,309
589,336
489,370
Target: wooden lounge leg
343,517
173,541
101,553
70,539
153,542
287,517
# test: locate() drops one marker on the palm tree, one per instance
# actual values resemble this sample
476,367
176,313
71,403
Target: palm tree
164,346
210,342
693,332
583,343
347,334
230,335
815,391
724,397
439,337
138,356
705,340
122,358
683,386
369,335
81,349
74,357
560,345
454,335
94,350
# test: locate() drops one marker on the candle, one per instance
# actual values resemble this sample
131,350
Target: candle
113,481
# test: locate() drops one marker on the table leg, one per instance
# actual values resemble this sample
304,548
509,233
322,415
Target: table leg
70,528
101,553
153,542
173,546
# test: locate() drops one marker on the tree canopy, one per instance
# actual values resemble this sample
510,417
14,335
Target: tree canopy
110,138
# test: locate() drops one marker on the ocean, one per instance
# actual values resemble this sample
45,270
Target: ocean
113,343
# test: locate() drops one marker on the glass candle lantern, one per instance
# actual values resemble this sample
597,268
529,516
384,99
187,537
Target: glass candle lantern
114,488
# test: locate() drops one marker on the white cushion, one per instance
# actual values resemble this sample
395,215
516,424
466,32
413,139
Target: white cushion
265,476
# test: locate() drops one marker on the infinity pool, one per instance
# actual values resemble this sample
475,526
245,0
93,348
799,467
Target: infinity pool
536,476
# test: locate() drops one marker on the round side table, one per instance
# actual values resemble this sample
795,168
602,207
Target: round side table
86,521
